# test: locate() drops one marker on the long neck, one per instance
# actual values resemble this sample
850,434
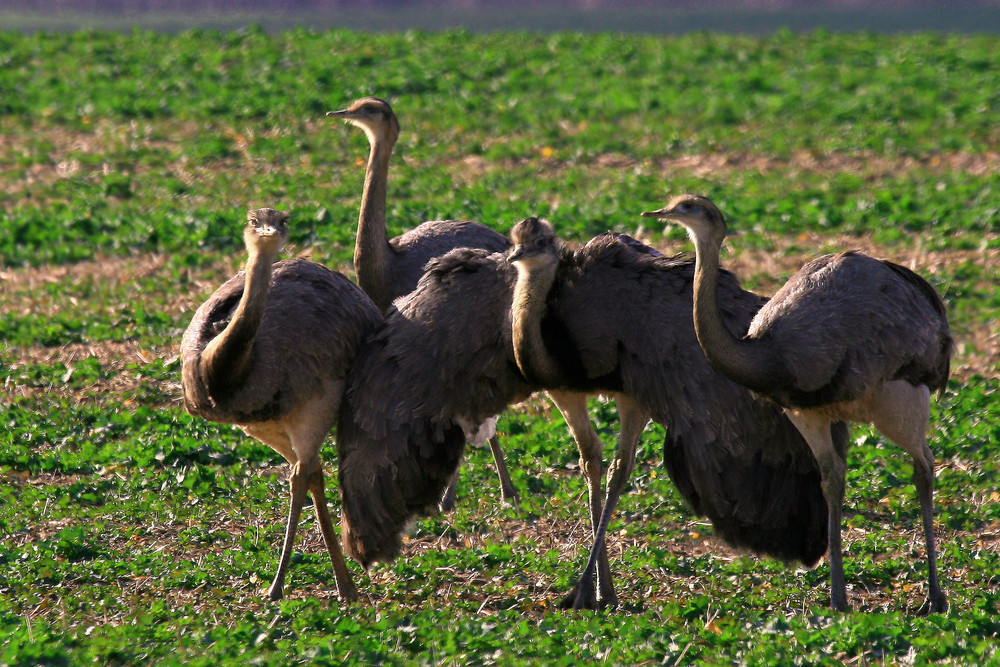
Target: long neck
226,360
739,360
527,310
372,253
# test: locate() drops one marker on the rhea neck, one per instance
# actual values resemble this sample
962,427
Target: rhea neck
743,361
372,252
535,277
227,359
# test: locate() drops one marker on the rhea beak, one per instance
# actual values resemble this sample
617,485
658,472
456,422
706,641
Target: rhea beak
659,213
519,252
267,230
337,114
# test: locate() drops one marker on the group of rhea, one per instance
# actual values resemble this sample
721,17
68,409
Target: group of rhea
452,323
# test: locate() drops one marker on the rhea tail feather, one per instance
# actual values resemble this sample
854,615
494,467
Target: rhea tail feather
383,493
764,506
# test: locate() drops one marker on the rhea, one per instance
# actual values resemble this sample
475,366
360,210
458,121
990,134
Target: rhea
269,351
848,337
389,268
614,318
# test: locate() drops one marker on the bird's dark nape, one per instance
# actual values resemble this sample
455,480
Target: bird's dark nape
381,496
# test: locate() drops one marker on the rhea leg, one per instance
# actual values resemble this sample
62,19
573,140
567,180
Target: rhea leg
299,485
508,494
632,420
345,586
573,407
276,435
901,412
447,503
299,437
815,428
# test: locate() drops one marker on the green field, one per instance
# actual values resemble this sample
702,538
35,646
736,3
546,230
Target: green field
132,533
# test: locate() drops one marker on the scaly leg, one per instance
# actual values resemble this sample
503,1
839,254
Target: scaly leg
573,407
345,585
632,420
447,503
299,437
508,493
298,486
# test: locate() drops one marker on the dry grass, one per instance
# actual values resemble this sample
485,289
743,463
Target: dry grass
870,165
64,147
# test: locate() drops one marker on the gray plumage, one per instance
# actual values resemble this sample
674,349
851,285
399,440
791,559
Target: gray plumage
390,268
848,337
272,358
847,322
618,321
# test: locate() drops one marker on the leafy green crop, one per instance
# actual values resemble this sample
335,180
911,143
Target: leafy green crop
133,533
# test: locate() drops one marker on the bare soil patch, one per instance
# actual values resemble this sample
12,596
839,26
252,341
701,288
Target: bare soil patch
122,363
62,147
869,165
106,268
30,290
59,153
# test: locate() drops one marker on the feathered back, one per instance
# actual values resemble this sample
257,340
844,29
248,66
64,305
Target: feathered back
936,373
441,361
429,240
846,322
314,322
